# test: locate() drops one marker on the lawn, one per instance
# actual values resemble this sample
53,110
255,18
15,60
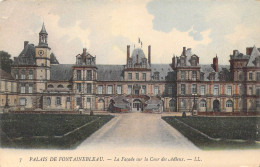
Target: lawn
47,130
220,132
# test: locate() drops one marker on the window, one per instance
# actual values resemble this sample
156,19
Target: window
203,103
202,89
89,87
156,90
30,74
69,86
109,89
60,86
170,89
183,103
183,89
143,90
22,88
229,90
202,76
48,101
258,76
30,88
250,91
78,74
241,89
15,74
58,100
229,103
137,76
119,89
6,86
50,86
129,89
100,89
250,76
194,89
22,101
129,76
183,75
79,101
156,76
144,76
194,75
241,77
68,99
12,87
79,87
216,90
89,75
23,74
258,91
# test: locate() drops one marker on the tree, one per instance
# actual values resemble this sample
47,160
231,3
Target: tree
5,61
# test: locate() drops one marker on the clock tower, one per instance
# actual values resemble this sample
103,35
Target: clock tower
42,58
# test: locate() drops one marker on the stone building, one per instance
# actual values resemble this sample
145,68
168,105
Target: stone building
41,83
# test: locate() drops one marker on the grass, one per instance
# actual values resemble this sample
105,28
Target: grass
21,130
229,132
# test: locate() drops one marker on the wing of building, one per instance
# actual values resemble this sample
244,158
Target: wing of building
39,83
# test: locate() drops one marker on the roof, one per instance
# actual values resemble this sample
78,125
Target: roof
140,53
27,56
207,69
5,75
61,72
165,71
53,59
43,30
254,54
110,72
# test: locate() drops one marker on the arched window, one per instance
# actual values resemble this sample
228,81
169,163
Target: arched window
183,103
229,103
60,86
50,86
48,101
203,103
69,86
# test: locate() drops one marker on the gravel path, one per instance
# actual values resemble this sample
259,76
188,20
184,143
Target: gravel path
137,130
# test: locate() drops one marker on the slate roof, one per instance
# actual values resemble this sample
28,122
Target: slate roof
43,30
61,72
238,55
53,59
140,54
165,71
254,54
5,75
110,72
207,69
27,56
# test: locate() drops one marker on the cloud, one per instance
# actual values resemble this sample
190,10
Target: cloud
106,27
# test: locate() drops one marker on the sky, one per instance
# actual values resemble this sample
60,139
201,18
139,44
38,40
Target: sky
106,27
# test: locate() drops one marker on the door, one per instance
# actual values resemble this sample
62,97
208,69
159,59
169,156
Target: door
216,106
101,104
137,105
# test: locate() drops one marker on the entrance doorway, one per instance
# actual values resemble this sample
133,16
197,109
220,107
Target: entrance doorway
101,104
137,106
216,106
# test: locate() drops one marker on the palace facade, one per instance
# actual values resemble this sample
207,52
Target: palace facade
39,83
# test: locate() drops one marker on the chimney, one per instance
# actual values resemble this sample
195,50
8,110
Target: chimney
173,62
184,51
249,50
235,52
149,54
84,57
128,53
25,43
215,63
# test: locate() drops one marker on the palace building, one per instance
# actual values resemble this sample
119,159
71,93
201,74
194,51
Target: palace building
39,83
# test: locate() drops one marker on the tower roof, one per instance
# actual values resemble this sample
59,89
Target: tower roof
43,30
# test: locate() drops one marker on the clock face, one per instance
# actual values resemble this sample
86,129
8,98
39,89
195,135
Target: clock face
40,52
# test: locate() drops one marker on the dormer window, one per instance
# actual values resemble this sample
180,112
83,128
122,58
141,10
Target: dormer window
156,76
212,76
